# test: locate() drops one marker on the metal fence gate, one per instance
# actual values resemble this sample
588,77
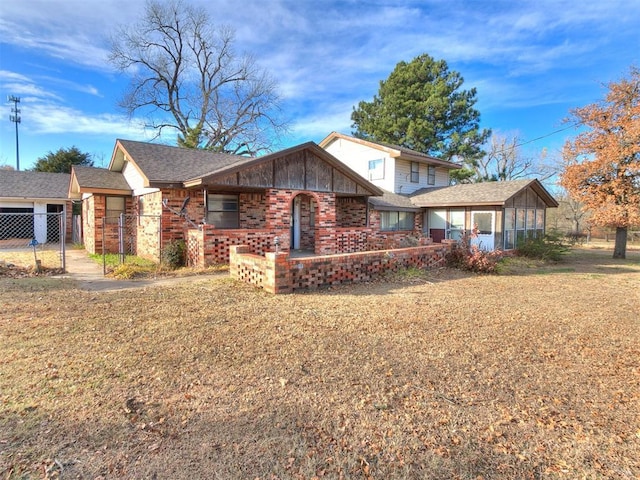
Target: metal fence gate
24,235
132,235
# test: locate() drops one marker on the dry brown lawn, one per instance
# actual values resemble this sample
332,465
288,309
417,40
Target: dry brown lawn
531,374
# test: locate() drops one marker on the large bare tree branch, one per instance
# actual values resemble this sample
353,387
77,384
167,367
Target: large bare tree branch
187,77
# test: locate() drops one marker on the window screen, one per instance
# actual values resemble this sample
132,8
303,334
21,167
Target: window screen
222,210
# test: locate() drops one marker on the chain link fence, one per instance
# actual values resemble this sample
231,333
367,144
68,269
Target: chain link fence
28,238
132,235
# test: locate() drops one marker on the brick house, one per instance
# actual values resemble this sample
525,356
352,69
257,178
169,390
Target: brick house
301,198
417,199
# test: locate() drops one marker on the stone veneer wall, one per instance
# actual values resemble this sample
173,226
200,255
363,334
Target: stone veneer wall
89,224
277,273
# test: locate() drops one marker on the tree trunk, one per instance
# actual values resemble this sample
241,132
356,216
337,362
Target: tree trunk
620,249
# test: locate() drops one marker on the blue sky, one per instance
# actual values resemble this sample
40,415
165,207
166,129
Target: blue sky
531,62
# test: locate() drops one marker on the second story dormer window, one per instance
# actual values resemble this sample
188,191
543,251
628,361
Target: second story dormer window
376,169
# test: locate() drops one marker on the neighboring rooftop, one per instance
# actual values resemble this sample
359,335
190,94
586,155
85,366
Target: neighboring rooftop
17,184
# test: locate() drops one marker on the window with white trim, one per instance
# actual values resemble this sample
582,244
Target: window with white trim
376,169
393,221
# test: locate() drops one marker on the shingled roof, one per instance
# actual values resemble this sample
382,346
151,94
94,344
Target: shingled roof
393,201
485,193
167,164
27,185
101,179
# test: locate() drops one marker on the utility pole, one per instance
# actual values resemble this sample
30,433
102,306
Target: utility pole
16,119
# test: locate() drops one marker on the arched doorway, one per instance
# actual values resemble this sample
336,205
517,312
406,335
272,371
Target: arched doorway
303,222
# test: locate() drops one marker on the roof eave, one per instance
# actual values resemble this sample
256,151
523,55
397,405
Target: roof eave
429,159
120,156
104,191
458,204
40,199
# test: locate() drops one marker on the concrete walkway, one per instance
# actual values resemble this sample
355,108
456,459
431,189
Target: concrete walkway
88,275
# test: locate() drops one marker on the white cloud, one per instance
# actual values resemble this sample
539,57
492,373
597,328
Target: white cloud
13,76
328,55
48,118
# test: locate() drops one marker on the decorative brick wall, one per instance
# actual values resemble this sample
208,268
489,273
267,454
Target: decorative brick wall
277,273
210,246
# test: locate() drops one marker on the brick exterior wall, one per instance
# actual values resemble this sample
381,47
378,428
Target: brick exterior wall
68,207
277,273
308,208
253,209
95,237
174,226
351,212
329,225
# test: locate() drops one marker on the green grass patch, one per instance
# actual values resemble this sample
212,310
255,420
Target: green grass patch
113,260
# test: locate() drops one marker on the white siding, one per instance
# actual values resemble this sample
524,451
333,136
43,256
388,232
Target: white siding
442,177
397,175
403,182
135,180
357,157
13,204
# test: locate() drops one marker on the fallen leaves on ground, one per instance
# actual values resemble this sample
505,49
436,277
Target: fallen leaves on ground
457,376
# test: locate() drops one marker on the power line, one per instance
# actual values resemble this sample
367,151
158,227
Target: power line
547,135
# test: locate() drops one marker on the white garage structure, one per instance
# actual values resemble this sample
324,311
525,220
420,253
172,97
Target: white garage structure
34,205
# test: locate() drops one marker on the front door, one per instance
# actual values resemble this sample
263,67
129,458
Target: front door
455,226
485,224
295,224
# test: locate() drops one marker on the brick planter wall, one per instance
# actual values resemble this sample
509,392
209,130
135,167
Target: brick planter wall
210,246
277,273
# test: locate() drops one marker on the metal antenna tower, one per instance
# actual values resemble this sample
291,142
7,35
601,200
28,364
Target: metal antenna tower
15,118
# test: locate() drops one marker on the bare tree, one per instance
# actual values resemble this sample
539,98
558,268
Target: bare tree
504,161
187,77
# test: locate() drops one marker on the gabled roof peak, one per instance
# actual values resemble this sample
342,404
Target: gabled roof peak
395,151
